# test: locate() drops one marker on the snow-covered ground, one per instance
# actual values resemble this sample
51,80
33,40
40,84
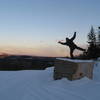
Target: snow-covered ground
39,85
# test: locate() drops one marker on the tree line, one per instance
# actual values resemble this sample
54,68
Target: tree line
93,50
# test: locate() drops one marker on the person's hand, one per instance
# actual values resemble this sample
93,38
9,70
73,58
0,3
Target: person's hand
59,41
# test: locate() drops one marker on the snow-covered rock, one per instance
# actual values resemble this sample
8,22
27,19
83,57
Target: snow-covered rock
98,59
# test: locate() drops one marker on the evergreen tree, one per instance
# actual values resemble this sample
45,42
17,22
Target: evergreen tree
93,50
99,35
92,36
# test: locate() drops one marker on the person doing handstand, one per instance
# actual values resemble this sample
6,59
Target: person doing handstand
71,44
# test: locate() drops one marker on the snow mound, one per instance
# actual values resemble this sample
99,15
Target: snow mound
39,85
74,60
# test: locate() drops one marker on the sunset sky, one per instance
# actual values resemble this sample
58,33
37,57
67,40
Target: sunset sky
34,26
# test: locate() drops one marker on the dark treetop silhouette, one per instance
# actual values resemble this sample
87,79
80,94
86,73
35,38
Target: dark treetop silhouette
71,44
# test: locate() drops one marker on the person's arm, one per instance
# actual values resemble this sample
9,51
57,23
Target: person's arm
62,43
74,36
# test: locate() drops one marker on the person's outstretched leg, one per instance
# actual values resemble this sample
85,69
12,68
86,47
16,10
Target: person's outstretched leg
80,49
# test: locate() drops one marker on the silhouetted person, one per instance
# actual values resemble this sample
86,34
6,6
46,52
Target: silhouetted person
71,44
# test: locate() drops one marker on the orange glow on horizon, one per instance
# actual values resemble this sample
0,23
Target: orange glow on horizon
48,50
36,51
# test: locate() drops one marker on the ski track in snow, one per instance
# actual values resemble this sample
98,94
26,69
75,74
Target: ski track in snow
39,85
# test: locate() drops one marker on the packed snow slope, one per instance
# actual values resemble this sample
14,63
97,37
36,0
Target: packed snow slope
39,85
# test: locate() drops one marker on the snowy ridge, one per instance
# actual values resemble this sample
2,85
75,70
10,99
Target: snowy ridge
39,85
74,60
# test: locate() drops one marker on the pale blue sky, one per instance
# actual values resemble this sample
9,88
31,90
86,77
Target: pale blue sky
33,23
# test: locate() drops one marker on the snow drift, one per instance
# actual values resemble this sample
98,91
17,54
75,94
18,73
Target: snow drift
39,85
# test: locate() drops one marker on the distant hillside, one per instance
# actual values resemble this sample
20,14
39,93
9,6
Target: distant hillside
24,62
